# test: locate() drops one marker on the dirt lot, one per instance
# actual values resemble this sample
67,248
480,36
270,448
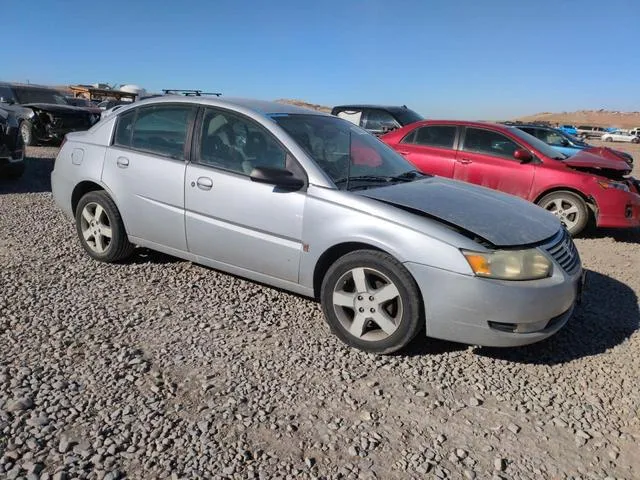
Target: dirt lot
159,368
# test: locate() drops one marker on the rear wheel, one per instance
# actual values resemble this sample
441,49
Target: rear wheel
371,302
608,139
635,140
570,209
100,228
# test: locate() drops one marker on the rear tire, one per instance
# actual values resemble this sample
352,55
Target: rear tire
100,228
608,139
570,209
635,140
371,302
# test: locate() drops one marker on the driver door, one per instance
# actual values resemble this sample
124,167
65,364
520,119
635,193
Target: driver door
231,220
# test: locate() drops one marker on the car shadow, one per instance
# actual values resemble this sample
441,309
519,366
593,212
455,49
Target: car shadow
36,177
622,235
608,316
143,255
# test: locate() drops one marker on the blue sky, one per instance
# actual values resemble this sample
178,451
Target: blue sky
482,59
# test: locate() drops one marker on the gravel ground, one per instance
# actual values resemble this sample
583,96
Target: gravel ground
160,368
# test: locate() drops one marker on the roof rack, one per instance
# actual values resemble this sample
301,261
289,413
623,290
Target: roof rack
188,93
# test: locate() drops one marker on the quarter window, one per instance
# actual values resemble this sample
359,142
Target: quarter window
433,136
491,143
231,142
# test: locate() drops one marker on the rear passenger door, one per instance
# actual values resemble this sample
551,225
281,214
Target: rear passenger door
486,158
144,168
431,149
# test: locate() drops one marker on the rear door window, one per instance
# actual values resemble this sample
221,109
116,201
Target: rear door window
442,136
379,121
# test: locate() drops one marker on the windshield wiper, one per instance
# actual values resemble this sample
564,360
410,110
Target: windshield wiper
403,177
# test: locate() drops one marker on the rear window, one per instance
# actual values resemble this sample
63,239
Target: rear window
442,136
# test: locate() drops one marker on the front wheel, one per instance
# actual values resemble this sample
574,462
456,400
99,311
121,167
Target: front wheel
371,302
26,132
608,139
100,228
635,140
570,209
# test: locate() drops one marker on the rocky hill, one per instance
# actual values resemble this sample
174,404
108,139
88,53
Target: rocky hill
598,118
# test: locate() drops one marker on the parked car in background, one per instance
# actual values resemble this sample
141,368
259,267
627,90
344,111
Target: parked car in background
11,147
43,113
620,136
313,204
575,189
570,129
586,131
377,119
569,145
87,104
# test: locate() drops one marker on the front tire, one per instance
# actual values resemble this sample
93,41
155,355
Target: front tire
371,302
608,139
100,228
570,209
26,132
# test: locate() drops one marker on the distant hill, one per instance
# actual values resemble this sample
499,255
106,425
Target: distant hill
597,118
300,103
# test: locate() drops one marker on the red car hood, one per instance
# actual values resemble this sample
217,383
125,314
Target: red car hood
589,159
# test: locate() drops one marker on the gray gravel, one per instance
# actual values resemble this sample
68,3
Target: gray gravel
159,368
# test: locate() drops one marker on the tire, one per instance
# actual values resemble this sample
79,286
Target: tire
608,139
26,132
400,315
635,140
13,171
559,203
96,215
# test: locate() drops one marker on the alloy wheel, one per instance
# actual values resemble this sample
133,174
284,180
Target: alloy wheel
565,210
96,227
367,303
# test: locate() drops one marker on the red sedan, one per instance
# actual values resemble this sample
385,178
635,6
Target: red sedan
576,189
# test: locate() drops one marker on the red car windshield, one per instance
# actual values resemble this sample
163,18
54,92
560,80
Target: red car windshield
538,144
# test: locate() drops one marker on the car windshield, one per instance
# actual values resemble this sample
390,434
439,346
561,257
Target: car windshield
407,116
572,139
38,95
539,145
350,156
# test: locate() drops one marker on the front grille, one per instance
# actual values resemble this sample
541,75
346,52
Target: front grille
564,251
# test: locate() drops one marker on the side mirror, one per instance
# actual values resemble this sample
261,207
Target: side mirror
523,155
279,177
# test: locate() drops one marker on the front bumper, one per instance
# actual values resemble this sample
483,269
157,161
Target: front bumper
619,209
495,313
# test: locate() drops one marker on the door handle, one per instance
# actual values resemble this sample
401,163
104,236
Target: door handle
122,162
204,183
403,153
464,161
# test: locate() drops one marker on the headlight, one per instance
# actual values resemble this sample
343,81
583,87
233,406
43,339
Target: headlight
617,185
509,264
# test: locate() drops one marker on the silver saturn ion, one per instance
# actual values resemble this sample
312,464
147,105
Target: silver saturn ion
311,203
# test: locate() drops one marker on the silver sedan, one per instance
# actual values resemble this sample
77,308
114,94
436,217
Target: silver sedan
312,204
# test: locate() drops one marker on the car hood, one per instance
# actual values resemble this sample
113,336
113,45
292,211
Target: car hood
55,108
501,219
598,158
607,152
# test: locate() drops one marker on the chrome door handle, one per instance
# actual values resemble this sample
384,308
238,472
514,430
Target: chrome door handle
122,162
403,153
464,161
204,183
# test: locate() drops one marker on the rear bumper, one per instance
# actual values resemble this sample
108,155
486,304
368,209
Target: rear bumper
494,313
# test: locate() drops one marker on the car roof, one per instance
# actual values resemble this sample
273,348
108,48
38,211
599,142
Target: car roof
391,108
465,123
261,107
